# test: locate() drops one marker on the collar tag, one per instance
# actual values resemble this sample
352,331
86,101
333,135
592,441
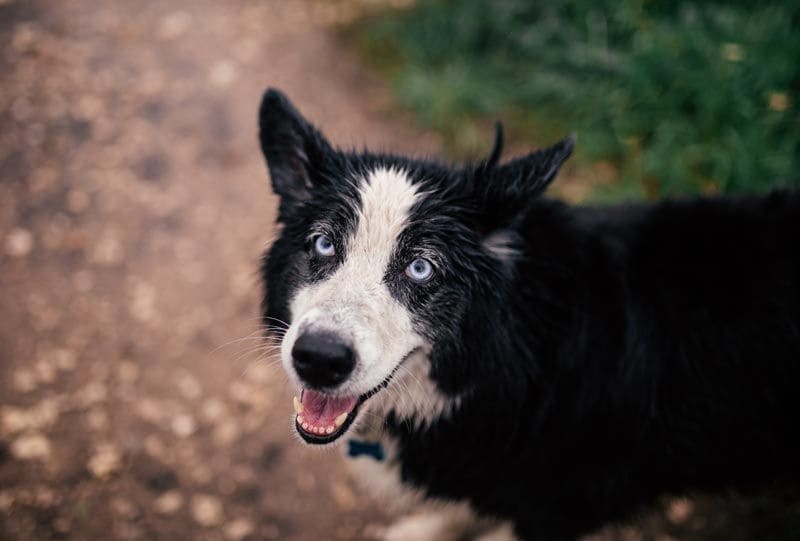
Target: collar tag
356,448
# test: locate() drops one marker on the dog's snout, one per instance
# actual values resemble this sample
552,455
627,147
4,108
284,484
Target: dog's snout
322,359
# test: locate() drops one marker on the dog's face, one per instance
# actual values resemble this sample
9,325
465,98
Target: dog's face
378,260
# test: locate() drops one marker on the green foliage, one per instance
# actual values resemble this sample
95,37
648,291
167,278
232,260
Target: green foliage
682,97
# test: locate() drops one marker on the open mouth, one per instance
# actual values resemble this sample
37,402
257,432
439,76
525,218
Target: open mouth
322,418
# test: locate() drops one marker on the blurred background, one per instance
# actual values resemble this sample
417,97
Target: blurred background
137,400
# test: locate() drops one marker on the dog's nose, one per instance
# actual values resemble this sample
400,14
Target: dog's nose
322,359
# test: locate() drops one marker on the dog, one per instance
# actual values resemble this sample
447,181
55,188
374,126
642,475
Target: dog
513,367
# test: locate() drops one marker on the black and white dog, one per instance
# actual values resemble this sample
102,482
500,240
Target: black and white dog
529,369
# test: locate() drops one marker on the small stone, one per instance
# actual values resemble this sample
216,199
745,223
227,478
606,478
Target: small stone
45,372
25,36
43,180
260,372
173,25
19,242
106,460
42,415
250,395
149,410
143,299
183,425
97,419
213,410
207,510
6,500
679,510
128,372
24,381
45,497
344,496
154,446
124,508
92,393
108,250
630,533
241,283
13,419
33,446
226,433
201,474
168,503
223,73
238,529
63,359
189,386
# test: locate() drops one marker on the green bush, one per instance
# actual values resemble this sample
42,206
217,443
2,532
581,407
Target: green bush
682,97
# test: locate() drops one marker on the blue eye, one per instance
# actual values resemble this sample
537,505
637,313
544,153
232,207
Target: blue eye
323,246
419,270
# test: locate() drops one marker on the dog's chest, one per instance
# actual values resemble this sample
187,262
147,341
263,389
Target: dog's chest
375,464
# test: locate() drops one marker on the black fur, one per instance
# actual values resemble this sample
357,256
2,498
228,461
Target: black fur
624,352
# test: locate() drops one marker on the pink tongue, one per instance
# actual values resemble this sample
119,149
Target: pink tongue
320,409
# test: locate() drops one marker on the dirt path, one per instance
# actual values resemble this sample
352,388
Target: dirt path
134,206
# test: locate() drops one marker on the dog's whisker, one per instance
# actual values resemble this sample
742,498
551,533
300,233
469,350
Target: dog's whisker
255,350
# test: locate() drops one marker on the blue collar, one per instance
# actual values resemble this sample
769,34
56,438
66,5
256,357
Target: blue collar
356,448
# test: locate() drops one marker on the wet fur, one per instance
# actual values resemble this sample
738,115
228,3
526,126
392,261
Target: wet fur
604,356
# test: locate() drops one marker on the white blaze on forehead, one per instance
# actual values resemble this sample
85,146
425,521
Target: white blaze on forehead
355,302
387,196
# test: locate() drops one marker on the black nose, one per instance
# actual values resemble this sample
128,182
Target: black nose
322,359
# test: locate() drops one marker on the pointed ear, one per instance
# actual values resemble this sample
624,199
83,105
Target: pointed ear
526,177
506,191
293,148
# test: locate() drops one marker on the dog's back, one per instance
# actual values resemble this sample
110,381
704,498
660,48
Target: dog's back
666,345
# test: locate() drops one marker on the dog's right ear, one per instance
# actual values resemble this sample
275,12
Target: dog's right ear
295,151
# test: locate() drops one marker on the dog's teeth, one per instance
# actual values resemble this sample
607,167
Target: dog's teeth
329,430
300,420
305,426
298,406
340,419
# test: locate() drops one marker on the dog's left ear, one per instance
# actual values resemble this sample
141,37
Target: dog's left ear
507,191
294,149
522,179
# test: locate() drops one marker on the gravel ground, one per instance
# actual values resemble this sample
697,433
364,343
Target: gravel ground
136,403
134,206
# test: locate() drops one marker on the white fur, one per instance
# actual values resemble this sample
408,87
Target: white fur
447,524
412,395
355,302
501,244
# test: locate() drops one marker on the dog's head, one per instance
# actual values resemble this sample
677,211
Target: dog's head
379,260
